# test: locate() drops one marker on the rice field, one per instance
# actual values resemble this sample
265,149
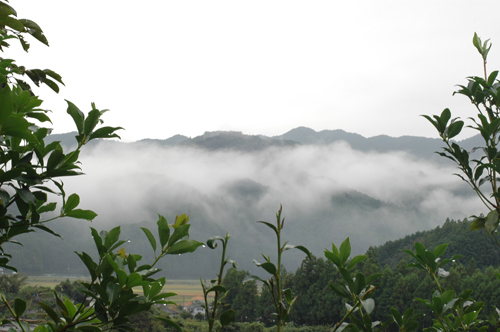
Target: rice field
186,290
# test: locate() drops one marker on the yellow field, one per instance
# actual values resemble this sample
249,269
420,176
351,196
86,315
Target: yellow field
186,290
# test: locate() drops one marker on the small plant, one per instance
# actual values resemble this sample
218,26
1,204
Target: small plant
358,291
218,305
453,312
483,93
283,299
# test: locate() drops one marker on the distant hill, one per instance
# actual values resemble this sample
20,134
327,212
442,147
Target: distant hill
457,234
420,147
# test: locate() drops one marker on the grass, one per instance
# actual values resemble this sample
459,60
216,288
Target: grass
186,290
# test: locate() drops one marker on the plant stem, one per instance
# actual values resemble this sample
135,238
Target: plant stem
278,274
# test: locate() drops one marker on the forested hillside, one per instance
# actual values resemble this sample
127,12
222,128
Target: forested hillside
475,245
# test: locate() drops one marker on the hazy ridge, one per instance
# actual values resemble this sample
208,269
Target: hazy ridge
332,185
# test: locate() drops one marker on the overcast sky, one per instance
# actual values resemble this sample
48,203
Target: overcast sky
260,67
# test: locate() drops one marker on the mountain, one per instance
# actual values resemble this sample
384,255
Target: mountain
331,184
462,241
420,147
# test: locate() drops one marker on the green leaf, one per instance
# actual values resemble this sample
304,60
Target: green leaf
19,307
217,288
227,317
301,248
105,132
112,237
454,129
288,295
492,220
26,195
14,23
184,246
112,290
70,308
51,84
439,250
333,257
52,314
171,323
478,223
163,230
397,316
54,75
356,260
91,121
72,202
340,290
134,279
77,115
150,237
269,225
268,266
345,250
82,214
180,232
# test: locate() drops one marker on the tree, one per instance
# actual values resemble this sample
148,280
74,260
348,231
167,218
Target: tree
31,171
241,296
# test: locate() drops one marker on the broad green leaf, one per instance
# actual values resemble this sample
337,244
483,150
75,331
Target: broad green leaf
162,296
184,246
217,288
163,230
227,317
105,132
82,214
112,290
269,225
52,314
439,250
478,223
77,115
333,257
301,248
112,237
340,290
72,202
47,207
134,279
180,232
19,307
171,323
91,122
492,220
345,250
150,237
268,266
70,308
420,249
355,260
26,195
288,295
397,316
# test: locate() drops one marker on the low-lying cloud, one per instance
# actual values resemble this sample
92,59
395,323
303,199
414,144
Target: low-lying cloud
331,191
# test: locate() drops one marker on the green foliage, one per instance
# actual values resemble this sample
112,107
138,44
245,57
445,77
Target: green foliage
218,305
282,298
483,94
242,295
30,172
358,291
